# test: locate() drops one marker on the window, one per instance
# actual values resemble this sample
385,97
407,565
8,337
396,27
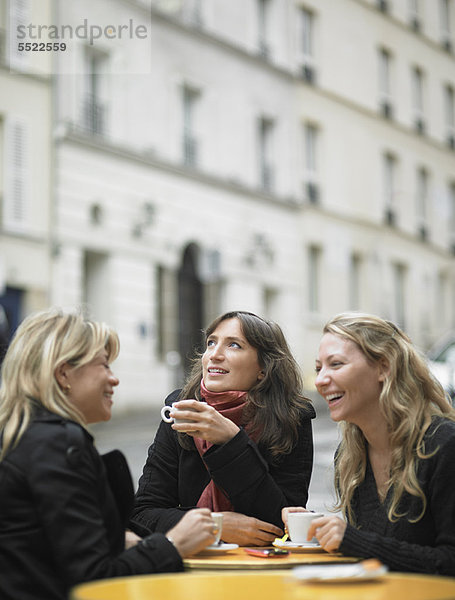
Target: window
451,198
385,88
415,19
445,16
165,315
307,34
96,284
389,188
306,50
310,148
449,115
190,98
192,12
422,203
94,108
314,259
19,15
160,316
311,134
417,99
16,193
399,291
3,30
3,154
270,299
354,281
442,288
263,14
266,175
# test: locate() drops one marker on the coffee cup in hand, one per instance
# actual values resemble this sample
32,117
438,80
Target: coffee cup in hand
299,524
166,410
217,519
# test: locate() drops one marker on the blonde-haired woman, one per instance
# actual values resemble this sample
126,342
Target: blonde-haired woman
61,522
394,465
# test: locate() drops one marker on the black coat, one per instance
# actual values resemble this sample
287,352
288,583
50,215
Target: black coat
60,524
173,478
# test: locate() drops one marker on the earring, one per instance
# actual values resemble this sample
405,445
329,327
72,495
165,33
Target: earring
67,388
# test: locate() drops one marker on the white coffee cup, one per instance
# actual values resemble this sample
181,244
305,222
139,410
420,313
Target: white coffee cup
299,524
217,519
167,409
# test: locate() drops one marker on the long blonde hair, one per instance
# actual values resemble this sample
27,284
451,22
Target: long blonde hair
409,399
43,342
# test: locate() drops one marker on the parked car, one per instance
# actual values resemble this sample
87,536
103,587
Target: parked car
442,362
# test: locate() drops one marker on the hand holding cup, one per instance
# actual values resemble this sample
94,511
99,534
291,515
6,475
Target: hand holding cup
199,419
299,524
173,413
217,519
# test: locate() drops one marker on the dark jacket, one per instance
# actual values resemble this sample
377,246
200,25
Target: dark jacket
173,478
59,521
426,546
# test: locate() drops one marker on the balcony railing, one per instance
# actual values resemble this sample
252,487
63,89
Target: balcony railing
190,149
3,52
266,178
93,116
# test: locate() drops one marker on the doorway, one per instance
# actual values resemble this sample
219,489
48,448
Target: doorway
191,310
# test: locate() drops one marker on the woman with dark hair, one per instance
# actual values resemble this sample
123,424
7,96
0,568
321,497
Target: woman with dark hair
394,465
241,442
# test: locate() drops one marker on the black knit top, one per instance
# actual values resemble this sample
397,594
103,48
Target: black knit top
427,546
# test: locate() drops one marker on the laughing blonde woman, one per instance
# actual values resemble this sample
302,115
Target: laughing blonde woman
394,466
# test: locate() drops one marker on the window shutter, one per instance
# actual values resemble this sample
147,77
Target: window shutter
19,14
17,175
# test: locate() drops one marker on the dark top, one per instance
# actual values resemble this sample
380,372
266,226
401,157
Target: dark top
173,478
59,522
427,546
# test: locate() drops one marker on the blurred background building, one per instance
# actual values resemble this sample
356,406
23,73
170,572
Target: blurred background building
293,158
26,170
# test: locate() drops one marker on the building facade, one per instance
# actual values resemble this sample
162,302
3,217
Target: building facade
291,158
25,167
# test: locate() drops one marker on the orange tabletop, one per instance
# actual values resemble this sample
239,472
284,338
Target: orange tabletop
264,585
239,559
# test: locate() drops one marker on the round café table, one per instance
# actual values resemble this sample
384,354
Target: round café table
239,559
264,585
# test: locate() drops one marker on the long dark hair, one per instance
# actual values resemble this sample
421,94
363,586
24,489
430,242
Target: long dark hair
275,403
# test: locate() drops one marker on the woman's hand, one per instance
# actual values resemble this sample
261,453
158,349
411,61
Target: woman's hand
203,421
288,509
194,532
131,539
248,531
329,531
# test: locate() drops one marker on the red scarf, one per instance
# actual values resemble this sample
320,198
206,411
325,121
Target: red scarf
230,405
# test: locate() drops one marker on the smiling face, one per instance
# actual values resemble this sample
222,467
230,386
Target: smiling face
229,362
91,387
350,384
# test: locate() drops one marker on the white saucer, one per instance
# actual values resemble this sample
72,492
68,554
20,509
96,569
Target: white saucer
218,548
338,573
296,547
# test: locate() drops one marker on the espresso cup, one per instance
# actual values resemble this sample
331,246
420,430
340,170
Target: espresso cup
168,419
299,524
217,519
